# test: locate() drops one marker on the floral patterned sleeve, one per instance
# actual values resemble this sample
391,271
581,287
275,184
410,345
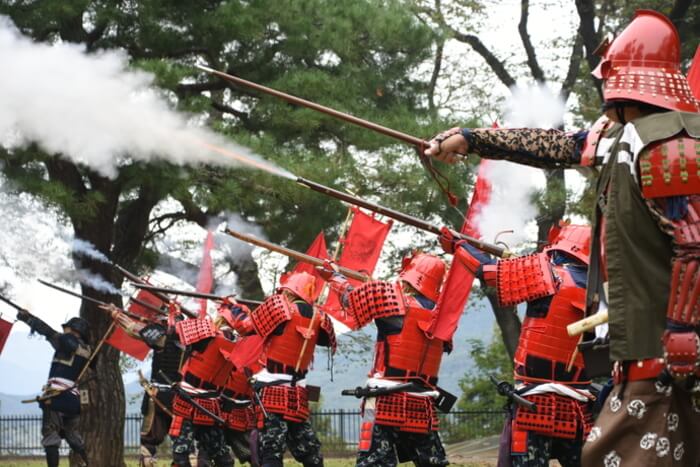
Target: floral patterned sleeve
545,149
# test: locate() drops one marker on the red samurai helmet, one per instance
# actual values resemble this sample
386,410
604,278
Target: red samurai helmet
301,284
425,274
574,240
643,64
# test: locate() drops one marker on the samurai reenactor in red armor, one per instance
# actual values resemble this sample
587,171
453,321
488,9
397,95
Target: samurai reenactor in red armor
196,408
291,327
400,422
61,414
236,399
549,371
645,251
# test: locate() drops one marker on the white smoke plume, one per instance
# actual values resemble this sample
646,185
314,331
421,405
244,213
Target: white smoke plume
92,109
85,248
510,206
97,282
534,106
232,248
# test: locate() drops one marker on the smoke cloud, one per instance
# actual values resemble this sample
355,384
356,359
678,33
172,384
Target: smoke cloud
510,206
95,111
85,248
97,282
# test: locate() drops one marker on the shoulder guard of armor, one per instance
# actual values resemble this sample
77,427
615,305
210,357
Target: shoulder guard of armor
595,134
375,299
670,168
524,279
327,328
194,330
274,311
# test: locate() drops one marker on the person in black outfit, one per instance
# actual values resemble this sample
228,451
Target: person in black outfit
61,413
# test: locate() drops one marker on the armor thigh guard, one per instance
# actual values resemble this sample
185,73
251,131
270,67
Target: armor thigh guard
409,413
555,416
289,401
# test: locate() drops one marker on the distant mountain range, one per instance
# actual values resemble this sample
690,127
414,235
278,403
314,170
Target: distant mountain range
24,364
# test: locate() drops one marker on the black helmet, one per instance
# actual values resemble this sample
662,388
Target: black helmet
79,325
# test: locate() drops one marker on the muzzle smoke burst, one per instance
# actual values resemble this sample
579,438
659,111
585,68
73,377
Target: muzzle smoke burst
94,110
249,161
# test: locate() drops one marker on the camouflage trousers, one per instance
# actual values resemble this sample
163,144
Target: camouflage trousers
277,434
541,448
208,438
390,445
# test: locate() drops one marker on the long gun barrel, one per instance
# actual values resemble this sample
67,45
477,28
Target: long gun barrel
401,217
12,304
294,254
100,302
137,280
188,293
420,143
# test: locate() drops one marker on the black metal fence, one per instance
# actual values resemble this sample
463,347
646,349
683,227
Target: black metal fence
20,435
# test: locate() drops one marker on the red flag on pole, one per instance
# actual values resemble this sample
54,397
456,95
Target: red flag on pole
694,74
319,250
362,246
480,198
458,285
147,297
205,280
123,342
5,328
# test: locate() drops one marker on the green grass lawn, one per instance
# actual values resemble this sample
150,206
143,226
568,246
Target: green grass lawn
163,463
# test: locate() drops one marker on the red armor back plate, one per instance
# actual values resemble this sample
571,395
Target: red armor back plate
410,413
286,347
670,168
524,279
182,408
412,350
546,337
210,365
195,330
274,311
375,299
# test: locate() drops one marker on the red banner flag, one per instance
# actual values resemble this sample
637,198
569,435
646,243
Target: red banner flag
123,342
362,246
319,250
147,297
205,280
5,328
480,198
458,285
694,74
